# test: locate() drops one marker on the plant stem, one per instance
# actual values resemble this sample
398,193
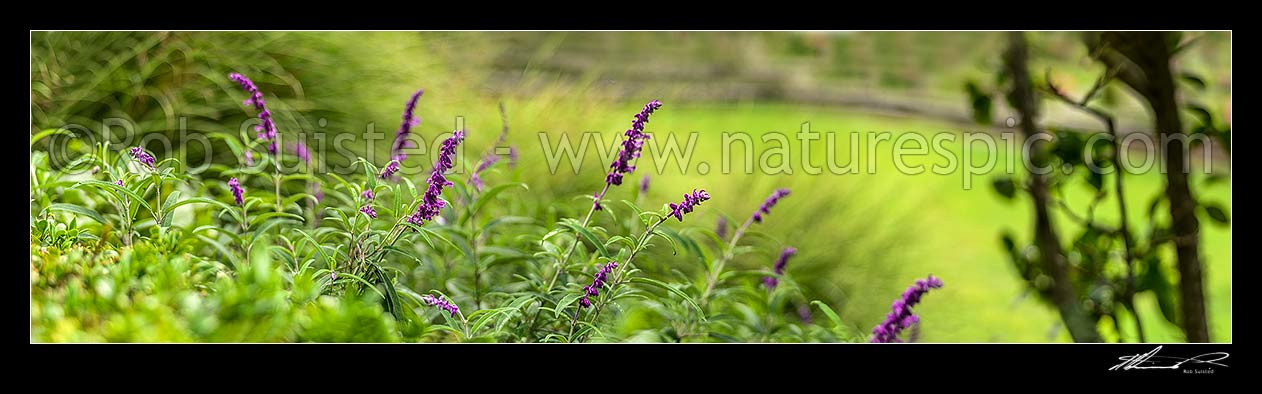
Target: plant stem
157,182
586,221
713,277
477,264
640,245
1124,227
560,265
277,178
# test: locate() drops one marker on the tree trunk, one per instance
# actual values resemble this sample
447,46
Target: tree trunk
1080,326
1142,60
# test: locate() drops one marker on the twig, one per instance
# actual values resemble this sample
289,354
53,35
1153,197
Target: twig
1118,184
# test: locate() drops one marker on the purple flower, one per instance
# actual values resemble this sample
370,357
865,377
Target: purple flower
367,194
317,191
267,130
784,259
901,317
333,275
487,161
430,203
804,312
238,194
771,202
720,228
367,209
644,184
409,120
771,282
690,200
491,157
139,154
598,282
119,182
632,145
781,262
249,158
596,202
303,153
441,303
390,169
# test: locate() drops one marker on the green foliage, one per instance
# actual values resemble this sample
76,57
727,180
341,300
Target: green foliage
1115,256
131,253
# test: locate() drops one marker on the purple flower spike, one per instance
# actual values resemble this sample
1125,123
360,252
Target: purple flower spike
596,202
720,228
267,130
781,262
249,158
804,312
367,194
771,282
431,204
632,145
409,121
369,210
238,194
901,317
598,282
690,200
771,202
441,303
784,259
139,154
304,154
317,191
644,185
390,169
119,182
487,161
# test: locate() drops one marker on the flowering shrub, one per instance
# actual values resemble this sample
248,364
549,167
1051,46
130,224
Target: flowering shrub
149,252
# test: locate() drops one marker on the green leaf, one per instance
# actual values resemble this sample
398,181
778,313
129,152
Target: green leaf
228,256
591,238
79,210
673,290
477,326
1201,113
1155,280
328,261
1193,80
503,220
628,242
980,102
46,133
828,312
490,194
118,189
1218,213
674,247
565,302
172,198
392,297
284,215
170,206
